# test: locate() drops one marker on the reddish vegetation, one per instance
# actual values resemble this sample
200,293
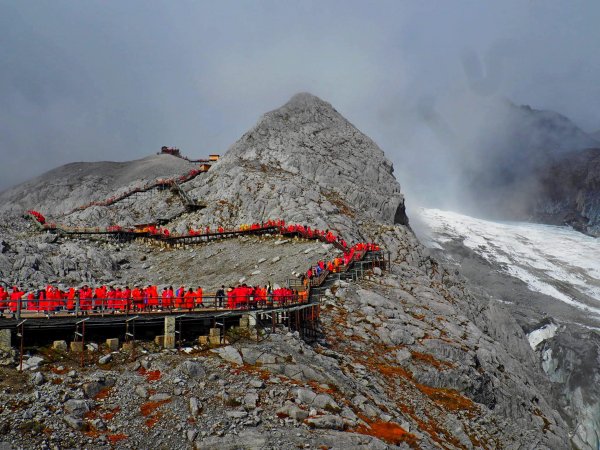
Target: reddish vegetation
389,432
149,407
429,359
435,405
57,371
450,399
114,438
92,433
538,413
332,390
57,380
102,394
255,369
153,420
393,371
91,414
111,414
151,375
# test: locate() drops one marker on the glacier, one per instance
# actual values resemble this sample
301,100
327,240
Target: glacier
553,260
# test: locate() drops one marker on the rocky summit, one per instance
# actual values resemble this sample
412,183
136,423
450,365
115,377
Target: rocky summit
407,357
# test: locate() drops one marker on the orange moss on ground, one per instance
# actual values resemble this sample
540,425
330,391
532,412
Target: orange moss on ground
429,359
57,371
153,420
449,399
151,375
390,432
57,381
114,438
430,427
104,393
393,371
91,414
149,407
316,387
94,434
111,414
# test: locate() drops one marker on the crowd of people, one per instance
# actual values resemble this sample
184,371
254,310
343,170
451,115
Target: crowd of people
116,299
335,265
158,231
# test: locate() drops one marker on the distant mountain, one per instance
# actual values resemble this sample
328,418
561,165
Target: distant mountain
569,191
511,167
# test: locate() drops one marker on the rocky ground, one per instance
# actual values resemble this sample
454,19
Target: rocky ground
570,355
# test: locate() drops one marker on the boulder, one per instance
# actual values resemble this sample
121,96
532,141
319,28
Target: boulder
328,422
229,354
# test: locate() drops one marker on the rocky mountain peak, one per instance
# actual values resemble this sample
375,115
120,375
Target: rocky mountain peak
308,126
304,161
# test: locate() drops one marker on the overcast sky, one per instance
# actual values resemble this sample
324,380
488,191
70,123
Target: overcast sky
116,80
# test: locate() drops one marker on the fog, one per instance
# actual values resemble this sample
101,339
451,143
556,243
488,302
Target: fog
430,82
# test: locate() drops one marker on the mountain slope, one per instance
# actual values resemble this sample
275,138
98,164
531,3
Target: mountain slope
75,184
412,349
549,279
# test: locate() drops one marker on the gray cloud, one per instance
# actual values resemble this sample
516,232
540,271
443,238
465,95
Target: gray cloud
117,80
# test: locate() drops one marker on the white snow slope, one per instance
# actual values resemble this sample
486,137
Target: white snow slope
556,261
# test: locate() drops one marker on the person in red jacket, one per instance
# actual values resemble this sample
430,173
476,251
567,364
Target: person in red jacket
99,298
198,297
15,297
168,298
85,298
31,303
153,297
230,298
126,298
120,302
179,297
3,299
136,296
188,299
111,295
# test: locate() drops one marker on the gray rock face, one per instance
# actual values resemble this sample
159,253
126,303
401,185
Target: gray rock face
571,359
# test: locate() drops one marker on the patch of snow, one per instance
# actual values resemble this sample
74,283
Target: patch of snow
536,337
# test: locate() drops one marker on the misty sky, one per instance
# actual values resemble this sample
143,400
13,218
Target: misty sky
116,80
